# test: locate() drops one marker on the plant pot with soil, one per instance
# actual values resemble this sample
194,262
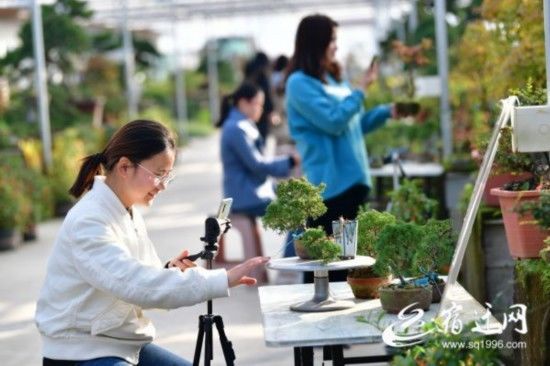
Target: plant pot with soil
398,250
525,210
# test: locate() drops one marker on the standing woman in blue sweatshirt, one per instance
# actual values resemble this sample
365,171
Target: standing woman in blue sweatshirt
327,120
245,167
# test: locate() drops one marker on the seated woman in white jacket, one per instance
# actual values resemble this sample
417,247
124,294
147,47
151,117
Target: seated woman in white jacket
104,269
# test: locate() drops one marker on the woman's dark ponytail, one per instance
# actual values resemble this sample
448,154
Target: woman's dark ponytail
245,91
227,104
137,141
91,166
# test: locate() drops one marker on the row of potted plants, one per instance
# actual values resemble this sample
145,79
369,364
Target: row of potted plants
407,242
522,198
26,200
30,195
410,253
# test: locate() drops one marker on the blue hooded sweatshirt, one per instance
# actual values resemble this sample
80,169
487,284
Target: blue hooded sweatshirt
328,123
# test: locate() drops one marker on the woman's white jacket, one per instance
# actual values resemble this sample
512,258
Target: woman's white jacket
102,272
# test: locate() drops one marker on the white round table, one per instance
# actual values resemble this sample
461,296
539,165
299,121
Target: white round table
321,301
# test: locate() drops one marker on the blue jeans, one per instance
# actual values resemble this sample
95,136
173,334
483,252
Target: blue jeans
150,355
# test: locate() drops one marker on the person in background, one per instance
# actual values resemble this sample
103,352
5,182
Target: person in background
256,72
328,123
104,269
246,169
279,126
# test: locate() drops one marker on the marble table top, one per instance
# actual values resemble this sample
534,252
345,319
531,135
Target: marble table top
284,328
300,265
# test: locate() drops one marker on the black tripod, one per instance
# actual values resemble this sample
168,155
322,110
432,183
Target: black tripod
211,233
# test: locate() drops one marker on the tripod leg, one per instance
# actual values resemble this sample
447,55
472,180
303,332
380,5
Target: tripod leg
227,346
198,346
208,352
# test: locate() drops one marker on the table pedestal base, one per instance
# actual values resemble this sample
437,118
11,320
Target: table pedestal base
321,301
327,305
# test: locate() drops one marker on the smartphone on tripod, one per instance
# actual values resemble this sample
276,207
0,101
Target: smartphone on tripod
224,209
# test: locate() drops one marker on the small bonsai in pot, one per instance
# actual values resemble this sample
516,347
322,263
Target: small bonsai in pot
439,241
297,201
319,246
365,281
398,249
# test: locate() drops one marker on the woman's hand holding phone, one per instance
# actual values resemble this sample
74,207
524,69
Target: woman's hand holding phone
371,74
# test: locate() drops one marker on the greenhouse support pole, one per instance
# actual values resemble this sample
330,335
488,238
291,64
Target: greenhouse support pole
413,17
546,11
179,80
129,64
213,83
41,82
443,71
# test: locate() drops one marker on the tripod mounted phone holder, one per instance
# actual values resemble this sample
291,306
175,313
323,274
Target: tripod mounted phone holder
212,230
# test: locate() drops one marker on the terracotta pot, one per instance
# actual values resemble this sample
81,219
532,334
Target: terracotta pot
395,299
497,181
366,288
301,250
525,239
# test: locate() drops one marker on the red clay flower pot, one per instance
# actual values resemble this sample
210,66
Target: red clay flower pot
525,238
497,181
366,288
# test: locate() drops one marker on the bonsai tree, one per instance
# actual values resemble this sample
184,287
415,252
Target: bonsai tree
410,204
397,248
297,201
319,246
435,255
438,239
370,224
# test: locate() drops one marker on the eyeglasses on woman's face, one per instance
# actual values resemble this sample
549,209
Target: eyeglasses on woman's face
159,179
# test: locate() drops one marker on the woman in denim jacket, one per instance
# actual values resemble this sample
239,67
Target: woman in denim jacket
246,168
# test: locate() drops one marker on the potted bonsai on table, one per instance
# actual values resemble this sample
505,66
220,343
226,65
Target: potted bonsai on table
439,241
365,281
398,249
297,201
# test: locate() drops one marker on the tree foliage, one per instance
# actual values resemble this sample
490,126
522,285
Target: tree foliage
370,225
297,201
64,38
